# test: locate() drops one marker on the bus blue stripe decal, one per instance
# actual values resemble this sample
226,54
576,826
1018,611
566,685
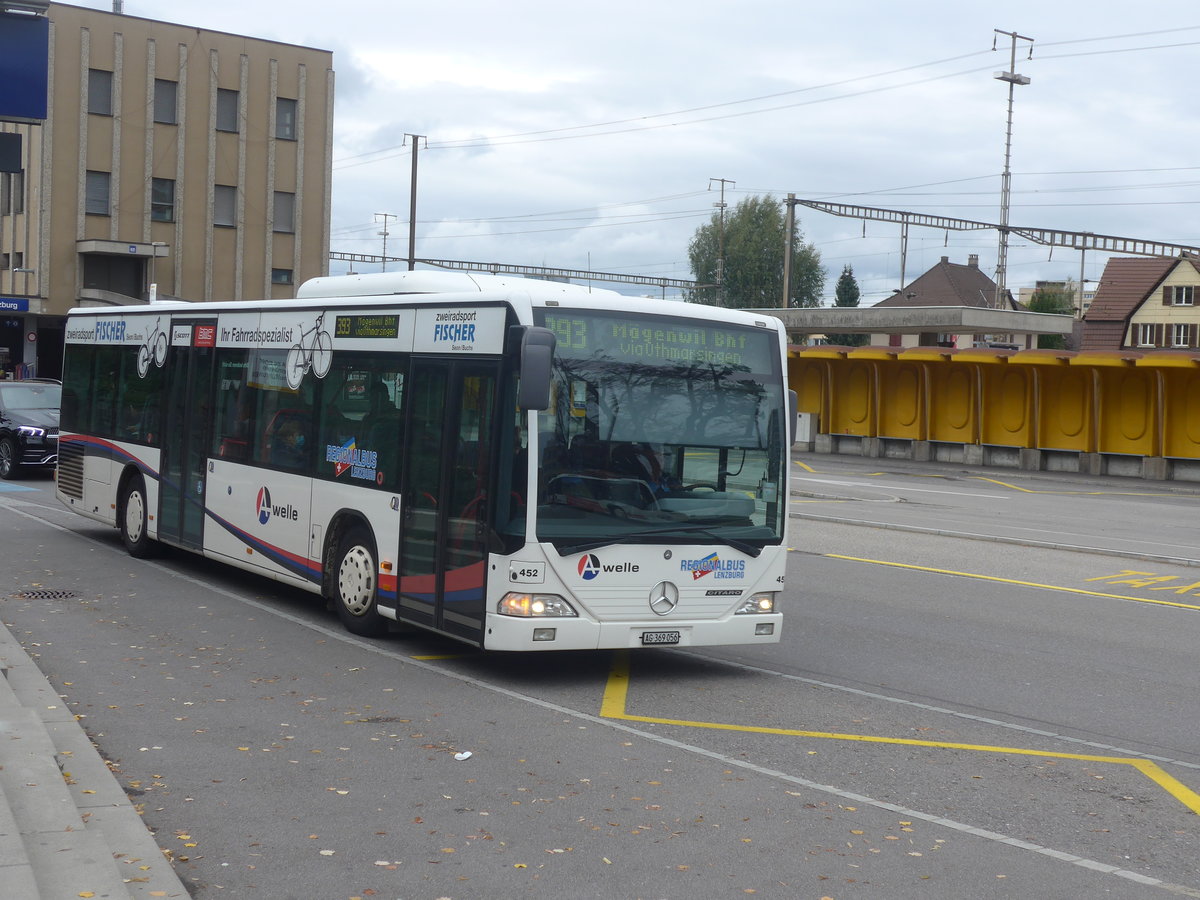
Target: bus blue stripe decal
99,447
297,565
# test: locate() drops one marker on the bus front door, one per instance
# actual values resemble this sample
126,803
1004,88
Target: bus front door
443,544
185,441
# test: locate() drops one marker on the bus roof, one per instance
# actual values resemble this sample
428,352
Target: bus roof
380,284
425,287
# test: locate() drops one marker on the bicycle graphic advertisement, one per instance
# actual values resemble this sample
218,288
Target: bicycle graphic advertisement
154,347
314,351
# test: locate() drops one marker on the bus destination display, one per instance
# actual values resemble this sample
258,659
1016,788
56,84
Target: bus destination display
367,326
644,340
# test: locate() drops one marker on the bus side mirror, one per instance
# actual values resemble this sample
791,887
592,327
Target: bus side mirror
537,355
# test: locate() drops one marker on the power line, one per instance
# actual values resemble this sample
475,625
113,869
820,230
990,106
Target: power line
567,132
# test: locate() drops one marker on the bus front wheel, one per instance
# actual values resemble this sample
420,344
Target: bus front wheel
355,585
131,518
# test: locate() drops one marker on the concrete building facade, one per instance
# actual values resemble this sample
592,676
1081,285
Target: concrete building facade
194,160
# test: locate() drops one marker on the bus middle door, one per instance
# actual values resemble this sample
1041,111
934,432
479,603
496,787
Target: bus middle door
186,418
443,542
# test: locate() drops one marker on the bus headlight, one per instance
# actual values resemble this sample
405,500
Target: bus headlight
763,602
530,606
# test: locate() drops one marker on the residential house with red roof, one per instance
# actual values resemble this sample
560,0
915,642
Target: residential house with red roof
949,284
1145,303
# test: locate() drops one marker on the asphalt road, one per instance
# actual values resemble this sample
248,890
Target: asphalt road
986,688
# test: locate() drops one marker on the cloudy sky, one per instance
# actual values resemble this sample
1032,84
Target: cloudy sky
593,135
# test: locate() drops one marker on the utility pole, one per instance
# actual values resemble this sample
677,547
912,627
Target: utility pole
720,239
789,236
412,200
1013,80
384,234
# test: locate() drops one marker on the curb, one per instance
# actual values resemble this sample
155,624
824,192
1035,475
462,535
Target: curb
67,829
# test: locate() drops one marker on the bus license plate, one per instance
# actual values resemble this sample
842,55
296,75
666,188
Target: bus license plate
660,637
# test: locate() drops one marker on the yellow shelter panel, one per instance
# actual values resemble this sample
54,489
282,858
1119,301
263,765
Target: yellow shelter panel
1065,419
852,399
1181,413
1007,408
807,377
901,400
952,408
1128,411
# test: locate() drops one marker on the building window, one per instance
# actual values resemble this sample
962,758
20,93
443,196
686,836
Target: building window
285,119
227,110
166,102
285,212
225,205
18,192
18,260
1146,335
100,92
281,276
1180,335
96,198
5,193
1179,295
162,200
3,262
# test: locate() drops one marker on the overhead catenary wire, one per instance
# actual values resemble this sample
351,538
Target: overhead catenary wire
573,132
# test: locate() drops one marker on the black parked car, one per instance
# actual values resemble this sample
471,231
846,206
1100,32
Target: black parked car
28,425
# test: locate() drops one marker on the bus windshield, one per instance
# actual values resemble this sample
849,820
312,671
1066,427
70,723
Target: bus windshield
660,430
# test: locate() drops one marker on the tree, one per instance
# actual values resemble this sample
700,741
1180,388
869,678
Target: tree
1053,298
847,294
753,241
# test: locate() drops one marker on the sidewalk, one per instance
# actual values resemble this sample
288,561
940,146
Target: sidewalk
67,830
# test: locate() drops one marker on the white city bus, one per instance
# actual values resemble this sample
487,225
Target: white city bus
513,463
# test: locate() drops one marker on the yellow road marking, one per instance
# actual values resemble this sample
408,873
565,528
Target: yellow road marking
1072,493
615,702
1006,484
998,580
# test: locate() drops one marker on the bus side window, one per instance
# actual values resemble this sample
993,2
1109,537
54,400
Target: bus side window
286,442
381,433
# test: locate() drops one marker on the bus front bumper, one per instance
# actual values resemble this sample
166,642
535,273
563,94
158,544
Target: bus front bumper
513,633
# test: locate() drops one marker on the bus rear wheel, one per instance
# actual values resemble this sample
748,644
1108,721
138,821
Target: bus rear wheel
355,584
132,520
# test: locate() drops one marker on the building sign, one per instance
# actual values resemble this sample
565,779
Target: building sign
24,62
14,304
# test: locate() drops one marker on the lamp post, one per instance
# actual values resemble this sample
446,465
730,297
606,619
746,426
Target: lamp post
1013,80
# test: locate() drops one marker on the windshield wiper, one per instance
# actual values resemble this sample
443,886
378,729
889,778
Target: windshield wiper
639,537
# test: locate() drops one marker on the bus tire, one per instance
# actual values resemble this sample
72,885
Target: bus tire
355,584
132,519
